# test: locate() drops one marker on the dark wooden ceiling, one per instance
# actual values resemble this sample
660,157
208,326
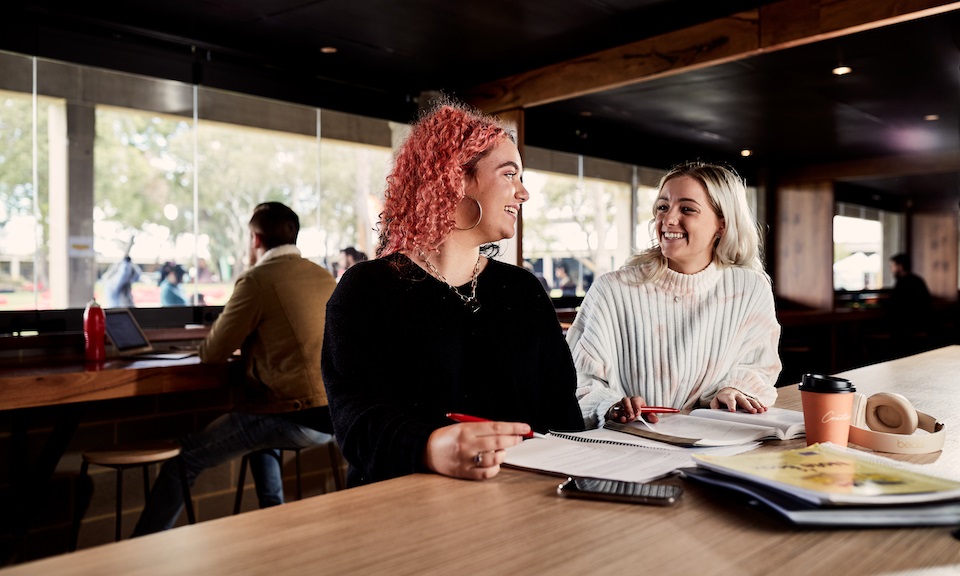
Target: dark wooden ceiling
784,105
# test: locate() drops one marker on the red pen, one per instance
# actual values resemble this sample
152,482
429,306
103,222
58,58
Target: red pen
467,418
658,410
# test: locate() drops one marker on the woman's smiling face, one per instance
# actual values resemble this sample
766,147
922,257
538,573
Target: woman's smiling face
498,189
687,226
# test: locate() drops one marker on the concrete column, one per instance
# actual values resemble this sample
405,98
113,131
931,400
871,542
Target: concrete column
81,259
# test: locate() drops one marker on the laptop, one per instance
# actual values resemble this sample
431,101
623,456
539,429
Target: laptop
128,338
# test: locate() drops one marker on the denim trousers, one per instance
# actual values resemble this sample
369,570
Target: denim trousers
229,436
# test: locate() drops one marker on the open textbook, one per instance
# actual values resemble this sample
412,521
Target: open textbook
707,427
830,475
605,454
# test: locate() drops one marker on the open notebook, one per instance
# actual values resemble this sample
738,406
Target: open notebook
129,339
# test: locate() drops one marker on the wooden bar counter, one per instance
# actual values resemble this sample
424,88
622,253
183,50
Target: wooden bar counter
33,384
516,524
55,373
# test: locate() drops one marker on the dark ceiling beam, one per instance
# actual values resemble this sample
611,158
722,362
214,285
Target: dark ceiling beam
889,167
773,27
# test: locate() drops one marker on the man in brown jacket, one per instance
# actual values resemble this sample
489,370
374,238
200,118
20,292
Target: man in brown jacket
276,318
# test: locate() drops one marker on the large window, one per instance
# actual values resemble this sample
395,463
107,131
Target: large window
143,201
574,227
113,172
24,196
864,239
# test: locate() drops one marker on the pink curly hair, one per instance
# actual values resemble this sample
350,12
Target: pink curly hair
426,183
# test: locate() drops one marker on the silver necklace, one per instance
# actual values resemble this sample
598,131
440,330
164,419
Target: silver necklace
471,300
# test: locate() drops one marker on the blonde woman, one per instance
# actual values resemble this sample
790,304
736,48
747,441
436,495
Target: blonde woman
688,322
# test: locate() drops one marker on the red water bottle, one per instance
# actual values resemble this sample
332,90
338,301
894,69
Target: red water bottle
94,327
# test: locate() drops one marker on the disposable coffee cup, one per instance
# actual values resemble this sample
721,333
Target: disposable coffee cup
827,407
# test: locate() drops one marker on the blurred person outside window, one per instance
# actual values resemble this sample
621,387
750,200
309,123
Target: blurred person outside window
348,257
171,291
119,280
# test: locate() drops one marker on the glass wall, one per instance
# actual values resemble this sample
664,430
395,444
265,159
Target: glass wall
24,196
578,222
111,180
137,191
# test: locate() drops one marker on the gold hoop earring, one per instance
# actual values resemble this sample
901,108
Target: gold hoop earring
468,210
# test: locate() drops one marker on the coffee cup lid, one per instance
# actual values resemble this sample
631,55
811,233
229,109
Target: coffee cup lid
823,383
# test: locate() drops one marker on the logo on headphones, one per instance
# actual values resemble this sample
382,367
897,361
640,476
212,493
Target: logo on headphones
909,445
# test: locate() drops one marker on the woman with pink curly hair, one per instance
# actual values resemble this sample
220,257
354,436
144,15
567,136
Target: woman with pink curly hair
450,329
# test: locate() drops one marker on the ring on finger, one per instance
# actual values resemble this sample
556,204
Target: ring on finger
478,459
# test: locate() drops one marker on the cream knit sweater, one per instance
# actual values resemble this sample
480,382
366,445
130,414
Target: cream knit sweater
676,341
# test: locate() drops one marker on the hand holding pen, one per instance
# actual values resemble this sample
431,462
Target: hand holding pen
630,408
474,449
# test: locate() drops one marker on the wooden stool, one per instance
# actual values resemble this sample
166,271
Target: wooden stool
120,459
334,468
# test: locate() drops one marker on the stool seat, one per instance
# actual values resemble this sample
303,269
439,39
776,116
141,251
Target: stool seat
120,458
133,456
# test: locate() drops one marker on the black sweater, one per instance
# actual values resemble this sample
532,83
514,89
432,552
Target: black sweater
400,350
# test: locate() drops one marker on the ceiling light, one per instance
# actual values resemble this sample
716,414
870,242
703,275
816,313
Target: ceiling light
931,117
841,70
328,50
746,152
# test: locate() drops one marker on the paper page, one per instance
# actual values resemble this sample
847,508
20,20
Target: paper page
773,417
605,435
718,432
596,460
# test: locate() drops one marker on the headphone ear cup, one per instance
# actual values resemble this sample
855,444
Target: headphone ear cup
859,411
891,413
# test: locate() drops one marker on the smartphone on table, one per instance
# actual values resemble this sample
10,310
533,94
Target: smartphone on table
620,491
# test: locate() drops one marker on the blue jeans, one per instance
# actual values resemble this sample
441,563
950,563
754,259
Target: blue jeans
229,436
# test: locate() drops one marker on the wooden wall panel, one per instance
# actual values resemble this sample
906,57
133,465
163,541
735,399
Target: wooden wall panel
803,271
935,253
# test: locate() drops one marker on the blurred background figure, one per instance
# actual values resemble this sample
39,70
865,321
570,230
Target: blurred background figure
564,282
171,293
909,305
119,281
528,266
348,257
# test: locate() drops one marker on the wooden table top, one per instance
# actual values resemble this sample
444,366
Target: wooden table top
515,523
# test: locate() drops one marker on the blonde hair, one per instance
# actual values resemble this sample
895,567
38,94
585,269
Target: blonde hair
740,244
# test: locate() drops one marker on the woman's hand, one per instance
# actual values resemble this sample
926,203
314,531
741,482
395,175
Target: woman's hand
628,410
731,399
472,450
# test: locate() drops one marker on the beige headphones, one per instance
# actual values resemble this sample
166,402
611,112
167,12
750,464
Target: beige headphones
886,422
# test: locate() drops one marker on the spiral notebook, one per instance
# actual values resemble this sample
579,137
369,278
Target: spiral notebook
606,454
